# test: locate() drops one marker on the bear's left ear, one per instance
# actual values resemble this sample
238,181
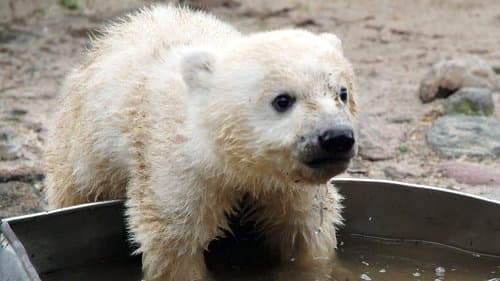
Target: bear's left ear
197,67
333,39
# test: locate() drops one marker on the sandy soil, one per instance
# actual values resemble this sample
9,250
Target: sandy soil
392,44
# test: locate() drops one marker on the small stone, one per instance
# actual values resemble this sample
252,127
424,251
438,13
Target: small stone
471,101
6,134
400,171
18,112
457,135
471,173
38,186
9,152
357,169
448,76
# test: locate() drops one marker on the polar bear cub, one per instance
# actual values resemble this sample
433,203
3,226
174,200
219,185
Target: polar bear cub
183,115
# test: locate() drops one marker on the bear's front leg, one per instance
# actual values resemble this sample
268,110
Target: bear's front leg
299,223
172,232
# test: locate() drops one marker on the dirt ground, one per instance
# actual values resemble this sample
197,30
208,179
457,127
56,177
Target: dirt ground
392,44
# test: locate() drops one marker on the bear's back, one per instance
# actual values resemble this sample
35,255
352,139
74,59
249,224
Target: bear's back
164,26
129,80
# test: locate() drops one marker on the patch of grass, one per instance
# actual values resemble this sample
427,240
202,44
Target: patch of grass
12,118
488,111
466,107
39,10
496,69
404,148
69,4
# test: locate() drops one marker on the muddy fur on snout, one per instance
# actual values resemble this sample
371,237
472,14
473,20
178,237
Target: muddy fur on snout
172,110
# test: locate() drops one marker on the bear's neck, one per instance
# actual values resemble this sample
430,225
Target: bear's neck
198,158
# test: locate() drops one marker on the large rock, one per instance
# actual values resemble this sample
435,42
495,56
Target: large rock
377,139
471,101
448,76
470,173
457,135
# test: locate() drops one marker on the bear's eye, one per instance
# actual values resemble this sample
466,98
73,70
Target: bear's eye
283,102
343,94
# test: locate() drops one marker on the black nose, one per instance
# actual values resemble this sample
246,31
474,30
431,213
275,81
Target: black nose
337,140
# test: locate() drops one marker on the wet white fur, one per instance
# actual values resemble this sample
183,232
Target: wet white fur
171,109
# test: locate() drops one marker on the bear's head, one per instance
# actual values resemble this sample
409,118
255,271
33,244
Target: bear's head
279,105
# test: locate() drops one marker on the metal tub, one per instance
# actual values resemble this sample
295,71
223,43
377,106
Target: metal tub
93,236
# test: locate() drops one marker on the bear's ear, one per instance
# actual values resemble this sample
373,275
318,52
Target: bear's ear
333,39
197,66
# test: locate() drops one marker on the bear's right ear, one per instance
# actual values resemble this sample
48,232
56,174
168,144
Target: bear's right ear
333,39
197,66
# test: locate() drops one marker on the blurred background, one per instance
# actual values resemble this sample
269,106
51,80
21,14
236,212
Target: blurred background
427,76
